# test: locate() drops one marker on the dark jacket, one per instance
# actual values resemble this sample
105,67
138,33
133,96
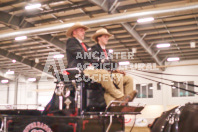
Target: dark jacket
72,48
109,64
97,48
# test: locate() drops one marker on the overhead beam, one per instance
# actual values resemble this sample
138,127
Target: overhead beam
102,3
144,4
12,77
142,43
56,9
131,31
109,19
21,59
19,22
32,64
68,16
2,74
11,3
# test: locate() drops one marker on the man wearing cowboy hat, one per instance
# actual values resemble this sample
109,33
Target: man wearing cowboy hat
74,46
124,82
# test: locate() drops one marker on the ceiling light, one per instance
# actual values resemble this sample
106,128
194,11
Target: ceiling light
164,45
10,72
32,79
21,38
124,63
192,44
111,51
36,60
150,87
58,56
13,61
144,84
33,6
173,59
142,20
4,81
134,50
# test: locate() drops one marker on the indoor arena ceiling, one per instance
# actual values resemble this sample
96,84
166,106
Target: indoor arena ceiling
175,22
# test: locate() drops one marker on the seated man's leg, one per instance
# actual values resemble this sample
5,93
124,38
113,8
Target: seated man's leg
118,81
103,77
128,87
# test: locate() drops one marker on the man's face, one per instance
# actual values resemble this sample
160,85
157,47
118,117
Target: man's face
79,33
103,39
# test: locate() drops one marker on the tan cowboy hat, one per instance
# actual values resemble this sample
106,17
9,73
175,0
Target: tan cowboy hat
99,32
75,26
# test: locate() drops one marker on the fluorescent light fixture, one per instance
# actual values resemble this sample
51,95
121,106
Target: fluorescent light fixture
33,6
143,84
172,83
13,61
148,19
173,59
124,63
32,79
36,60
4,81
21,38
58,56
134,50
111,51
192,44
10,72
164,45
150,87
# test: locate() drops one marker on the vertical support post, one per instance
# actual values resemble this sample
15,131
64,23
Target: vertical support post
110,123
8,92
37,94
81,87
60,102
5,124
16,91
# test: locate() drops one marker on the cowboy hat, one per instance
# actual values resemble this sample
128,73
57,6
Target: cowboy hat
99,32
75,26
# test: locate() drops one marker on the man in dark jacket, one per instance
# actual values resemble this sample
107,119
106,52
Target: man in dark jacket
75,48
75,45
123,81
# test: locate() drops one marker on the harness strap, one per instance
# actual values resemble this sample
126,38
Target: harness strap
172,120
165,123
177,117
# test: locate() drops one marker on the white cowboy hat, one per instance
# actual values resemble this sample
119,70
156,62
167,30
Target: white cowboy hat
75,26
99,32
